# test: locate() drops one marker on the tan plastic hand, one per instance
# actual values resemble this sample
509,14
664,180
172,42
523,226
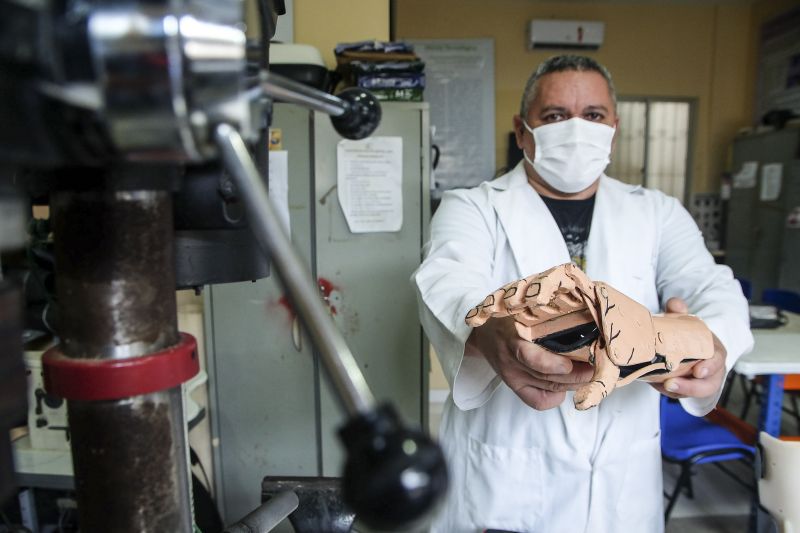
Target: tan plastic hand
564,311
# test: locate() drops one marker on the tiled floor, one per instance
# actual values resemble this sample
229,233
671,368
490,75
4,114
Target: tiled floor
720,505
708,524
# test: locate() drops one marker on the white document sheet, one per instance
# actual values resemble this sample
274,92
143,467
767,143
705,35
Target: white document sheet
771,178
746,177
369,183
279,185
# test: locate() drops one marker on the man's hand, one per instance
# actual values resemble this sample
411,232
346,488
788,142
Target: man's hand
540,378
706,377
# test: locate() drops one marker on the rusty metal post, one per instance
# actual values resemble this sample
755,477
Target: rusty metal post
116,294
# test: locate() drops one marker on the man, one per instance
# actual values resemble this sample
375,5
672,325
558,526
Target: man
521,457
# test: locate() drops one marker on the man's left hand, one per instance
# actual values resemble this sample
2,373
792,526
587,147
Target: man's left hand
706,377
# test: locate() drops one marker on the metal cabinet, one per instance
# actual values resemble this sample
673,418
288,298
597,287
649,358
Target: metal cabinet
272,411
789,274
759,245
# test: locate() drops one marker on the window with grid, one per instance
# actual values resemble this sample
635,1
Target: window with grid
652,145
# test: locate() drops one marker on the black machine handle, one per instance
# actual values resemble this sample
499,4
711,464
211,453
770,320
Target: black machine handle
355,113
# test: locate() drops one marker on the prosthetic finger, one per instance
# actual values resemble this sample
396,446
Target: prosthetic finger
604,380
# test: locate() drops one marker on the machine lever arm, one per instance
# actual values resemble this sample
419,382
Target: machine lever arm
268,515
339,362
355,113
293,92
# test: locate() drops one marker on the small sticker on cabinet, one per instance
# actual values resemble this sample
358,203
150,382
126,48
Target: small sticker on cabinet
793,219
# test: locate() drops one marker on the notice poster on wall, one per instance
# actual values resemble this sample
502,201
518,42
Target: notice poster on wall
369,183
459,78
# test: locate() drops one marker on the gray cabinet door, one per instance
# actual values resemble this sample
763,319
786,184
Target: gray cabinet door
755,229
272,410
264,387
375,307
790,249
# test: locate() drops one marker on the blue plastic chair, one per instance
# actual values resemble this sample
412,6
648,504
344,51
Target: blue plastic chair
747,288
782,299
691,441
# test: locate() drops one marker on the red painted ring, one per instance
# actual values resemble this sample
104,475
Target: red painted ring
113,379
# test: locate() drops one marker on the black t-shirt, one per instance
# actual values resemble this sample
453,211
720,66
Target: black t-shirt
574,219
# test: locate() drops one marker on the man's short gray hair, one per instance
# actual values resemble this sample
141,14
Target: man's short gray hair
561,64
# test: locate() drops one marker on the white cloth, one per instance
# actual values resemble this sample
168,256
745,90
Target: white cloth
561,470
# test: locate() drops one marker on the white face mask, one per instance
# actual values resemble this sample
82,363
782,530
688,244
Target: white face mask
571,154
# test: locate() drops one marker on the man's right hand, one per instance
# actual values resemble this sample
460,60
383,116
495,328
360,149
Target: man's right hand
540,378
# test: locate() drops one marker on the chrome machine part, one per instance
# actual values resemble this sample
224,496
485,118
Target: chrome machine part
116,295
94,82
289,91
268,515
339,362
355,113
165,69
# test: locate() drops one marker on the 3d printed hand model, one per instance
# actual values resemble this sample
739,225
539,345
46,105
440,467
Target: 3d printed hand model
565,312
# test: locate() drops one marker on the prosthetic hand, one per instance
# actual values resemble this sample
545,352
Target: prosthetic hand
565,312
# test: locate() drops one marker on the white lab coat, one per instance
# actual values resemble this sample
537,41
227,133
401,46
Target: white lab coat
561,470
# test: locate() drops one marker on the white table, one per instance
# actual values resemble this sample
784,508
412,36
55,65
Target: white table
775,354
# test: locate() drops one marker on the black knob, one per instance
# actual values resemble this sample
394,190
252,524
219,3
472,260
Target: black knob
362,116
394,477
52,401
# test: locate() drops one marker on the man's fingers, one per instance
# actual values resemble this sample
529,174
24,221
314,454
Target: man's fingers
676,305
712,366
536,393
704,380
519,378
693,387
660,388
580,374
542,361
539,399
705,368
679,387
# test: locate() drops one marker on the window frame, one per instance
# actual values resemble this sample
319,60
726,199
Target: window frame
691,136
